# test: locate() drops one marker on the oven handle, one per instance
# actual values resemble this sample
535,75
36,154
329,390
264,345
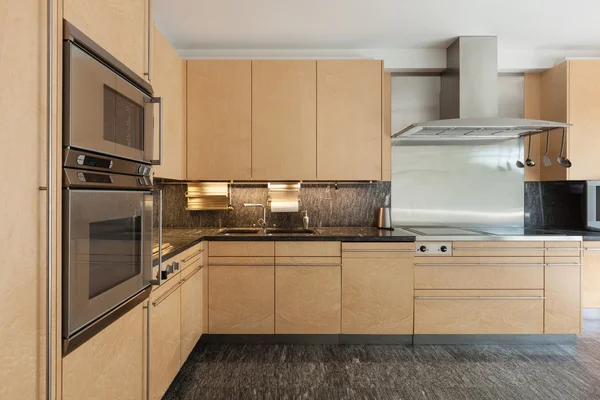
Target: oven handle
158,100
158,279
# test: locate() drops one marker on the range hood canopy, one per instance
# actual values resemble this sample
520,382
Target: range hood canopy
469,98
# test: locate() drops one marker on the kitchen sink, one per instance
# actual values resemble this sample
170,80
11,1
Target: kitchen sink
239,231
292,231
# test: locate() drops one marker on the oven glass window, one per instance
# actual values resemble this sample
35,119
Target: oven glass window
123,120
115,253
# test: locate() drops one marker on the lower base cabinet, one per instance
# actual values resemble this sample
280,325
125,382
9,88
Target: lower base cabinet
590,276
191,309
111,365
479,312
308,297
563,296
165,336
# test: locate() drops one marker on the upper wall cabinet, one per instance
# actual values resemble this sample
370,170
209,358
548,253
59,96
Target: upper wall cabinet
284,116
219,120
570,92
169,84
120,27
349,119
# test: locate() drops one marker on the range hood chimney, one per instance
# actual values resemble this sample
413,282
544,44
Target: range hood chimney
469,98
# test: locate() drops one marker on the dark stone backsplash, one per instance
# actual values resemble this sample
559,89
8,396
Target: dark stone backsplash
554,204
351,205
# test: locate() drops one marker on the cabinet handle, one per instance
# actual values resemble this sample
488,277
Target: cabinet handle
564,265
158,100
164,296
241,265
192,256
158,280
479,298
564,248
479,265
308,265
49,189
148,350
592,249
149,60
377,251
500,249
187,278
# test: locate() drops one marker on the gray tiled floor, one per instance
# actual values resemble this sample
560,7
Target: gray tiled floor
393,372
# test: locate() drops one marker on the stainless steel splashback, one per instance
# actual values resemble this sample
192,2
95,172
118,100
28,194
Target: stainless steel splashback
437,183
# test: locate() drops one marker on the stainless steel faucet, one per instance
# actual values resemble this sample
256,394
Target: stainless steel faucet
263,224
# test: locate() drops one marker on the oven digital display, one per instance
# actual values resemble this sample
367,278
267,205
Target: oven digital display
96,162
97,178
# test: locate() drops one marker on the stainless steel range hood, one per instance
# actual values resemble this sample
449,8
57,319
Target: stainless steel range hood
469,99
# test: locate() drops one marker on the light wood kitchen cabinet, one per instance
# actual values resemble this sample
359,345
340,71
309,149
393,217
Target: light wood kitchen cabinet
569,92
377,288
349,119
219,120
563,295
284,132
165,336
120,27
192,308
241,295
308,295
111,365
590,275
169,84
479,312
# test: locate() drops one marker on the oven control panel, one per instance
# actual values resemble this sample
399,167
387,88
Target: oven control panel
434,248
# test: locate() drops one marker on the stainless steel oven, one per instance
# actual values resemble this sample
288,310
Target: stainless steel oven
107,236
108,109
108,196
591,206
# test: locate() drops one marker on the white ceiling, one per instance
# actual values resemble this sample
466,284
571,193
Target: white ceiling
377,24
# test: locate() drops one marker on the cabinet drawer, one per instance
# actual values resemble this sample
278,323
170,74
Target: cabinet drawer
498,249
240,261
563,249
479,276
378,250
467,313
307,249
241,249
191,257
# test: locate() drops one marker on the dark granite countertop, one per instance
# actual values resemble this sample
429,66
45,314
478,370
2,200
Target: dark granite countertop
182,239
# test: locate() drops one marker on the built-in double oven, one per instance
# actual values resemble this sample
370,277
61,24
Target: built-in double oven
108,193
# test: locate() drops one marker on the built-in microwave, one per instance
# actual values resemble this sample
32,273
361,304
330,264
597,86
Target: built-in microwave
108,109
591,206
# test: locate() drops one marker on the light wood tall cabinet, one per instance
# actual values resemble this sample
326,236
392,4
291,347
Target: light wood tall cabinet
284,132
377,288
349,119
590,275
169,83
165,336
111,365
219,120
192,308
568,92
120,27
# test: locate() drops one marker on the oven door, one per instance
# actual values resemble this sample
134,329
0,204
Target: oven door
104,112
107,252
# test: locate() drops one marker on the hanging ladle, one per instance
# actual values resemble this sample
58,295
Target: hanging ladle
547,161
529,162
563,161
519,162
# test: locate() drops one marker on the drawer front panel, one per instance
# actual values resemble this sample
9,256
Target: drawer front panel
307,249
498,249
479,277
241,249
378,250
563,249
479,316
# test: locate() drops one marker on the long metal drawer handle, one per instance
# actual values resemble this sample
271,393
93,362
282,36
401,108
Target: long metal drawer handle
187,278
148,349
564,248
564,265
308,265
480,298
164,296
193,255
499,249
377,251
480,265
592,249
241,265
